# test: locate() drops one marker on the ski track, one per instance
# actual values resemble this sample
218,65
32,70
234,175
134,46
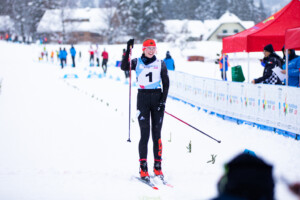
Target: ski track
67,138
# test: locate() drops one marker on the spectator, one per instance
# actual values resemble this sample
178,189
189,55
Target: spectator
73,53
226,62
104,60
270,60
97,53
126,71
52,56
6,36
91,51
293,69
246,177
169,62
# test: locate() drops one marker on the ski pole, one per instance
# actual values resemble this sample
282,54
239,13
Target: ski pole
129,93
219,141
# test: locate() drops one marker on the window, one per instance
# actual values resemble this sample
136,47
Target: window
224,31
235,30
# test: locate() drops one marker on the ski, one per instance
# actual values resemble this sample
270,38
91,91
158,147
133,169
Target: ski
147,182
163,181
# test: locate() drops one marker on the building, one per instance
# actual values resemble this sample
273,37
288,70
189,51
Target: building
191,30
210,30
228,24
78,25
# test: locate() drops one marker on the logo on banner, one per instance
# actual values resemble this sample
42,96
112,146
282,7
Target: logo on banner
285,107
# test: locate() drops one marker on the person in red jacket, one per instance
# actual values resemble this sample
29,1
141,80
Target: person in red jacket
104,60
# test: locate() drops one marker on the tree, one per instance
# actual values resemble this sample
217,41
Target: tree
151,25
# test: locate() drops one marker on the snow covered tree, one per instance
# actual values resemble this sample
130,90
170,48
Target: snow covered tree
151,25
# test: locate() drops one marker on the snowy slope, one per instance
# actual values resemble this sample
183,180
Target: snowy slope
67,138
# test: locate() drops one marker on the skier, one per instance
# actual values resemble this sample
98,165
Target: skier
169,61
97,53
91,51
223,74
151,101
63,57
126,71
73,53
104,60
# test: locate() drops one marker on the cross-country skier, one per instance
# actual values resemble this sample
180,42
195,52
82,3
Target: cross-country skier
151,99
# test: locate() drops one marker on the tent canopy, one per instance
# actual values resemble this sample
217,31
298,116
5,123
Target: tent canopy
292,38
270,31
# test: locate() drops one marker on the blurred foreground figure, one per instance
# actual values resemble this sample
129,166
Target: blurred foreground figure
246,177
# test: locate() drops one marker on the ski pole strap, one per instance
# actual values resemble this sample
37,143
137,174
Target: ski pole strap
219,141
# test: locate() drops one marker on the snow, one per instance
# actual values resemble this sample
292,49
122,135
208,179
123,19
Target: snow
67,138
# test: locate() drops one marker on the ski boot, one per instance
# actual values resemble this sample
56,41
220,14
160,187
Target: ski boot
144,171
157,169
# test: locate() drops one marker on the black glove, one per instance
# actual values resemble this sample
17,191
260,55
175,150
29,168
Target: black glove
161,106
130,44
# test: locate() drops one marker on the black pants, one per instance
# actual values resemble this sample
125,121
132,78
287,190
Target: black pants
147,104
222,76
97,60
126,73
62,61
73,60
104,65
92,59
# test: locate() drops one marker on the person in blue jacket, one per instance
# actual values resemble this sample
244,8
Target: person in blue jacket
293,69
63,57
226,62
73,53
169,62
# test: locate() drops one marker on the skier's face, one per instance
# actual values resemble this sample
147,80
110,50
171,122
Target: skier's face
150,52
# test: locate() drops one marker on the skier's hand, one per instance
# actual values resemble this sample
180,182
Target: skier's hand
161,106
130,44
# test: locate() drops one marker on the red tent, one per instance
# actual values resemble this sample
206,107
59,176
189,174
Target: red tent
292,38
270,31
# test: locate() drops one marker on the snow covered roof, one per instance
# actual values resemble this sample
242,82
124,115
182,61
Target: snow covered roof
75,20
193,28
226,18
6,23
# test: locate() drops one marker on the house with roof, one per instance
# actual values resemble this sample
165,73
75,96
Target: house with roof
228,24
77,25
191,30
210,30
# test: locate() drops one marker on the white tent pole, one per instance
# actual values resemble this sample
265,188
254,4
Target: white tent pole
248,69
287,66
223,68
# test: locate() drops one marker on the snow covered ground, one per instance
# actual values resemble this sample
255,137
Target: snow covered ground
67,138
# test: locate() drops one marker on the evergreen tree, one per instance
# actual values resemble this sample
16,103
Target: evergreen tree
151,25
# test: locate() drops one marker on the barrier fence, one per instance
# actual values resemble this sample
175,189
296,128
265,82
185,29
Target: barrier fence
269,107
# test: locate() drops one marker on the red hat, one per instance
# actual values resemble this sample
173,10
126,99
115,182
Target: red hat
148,43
